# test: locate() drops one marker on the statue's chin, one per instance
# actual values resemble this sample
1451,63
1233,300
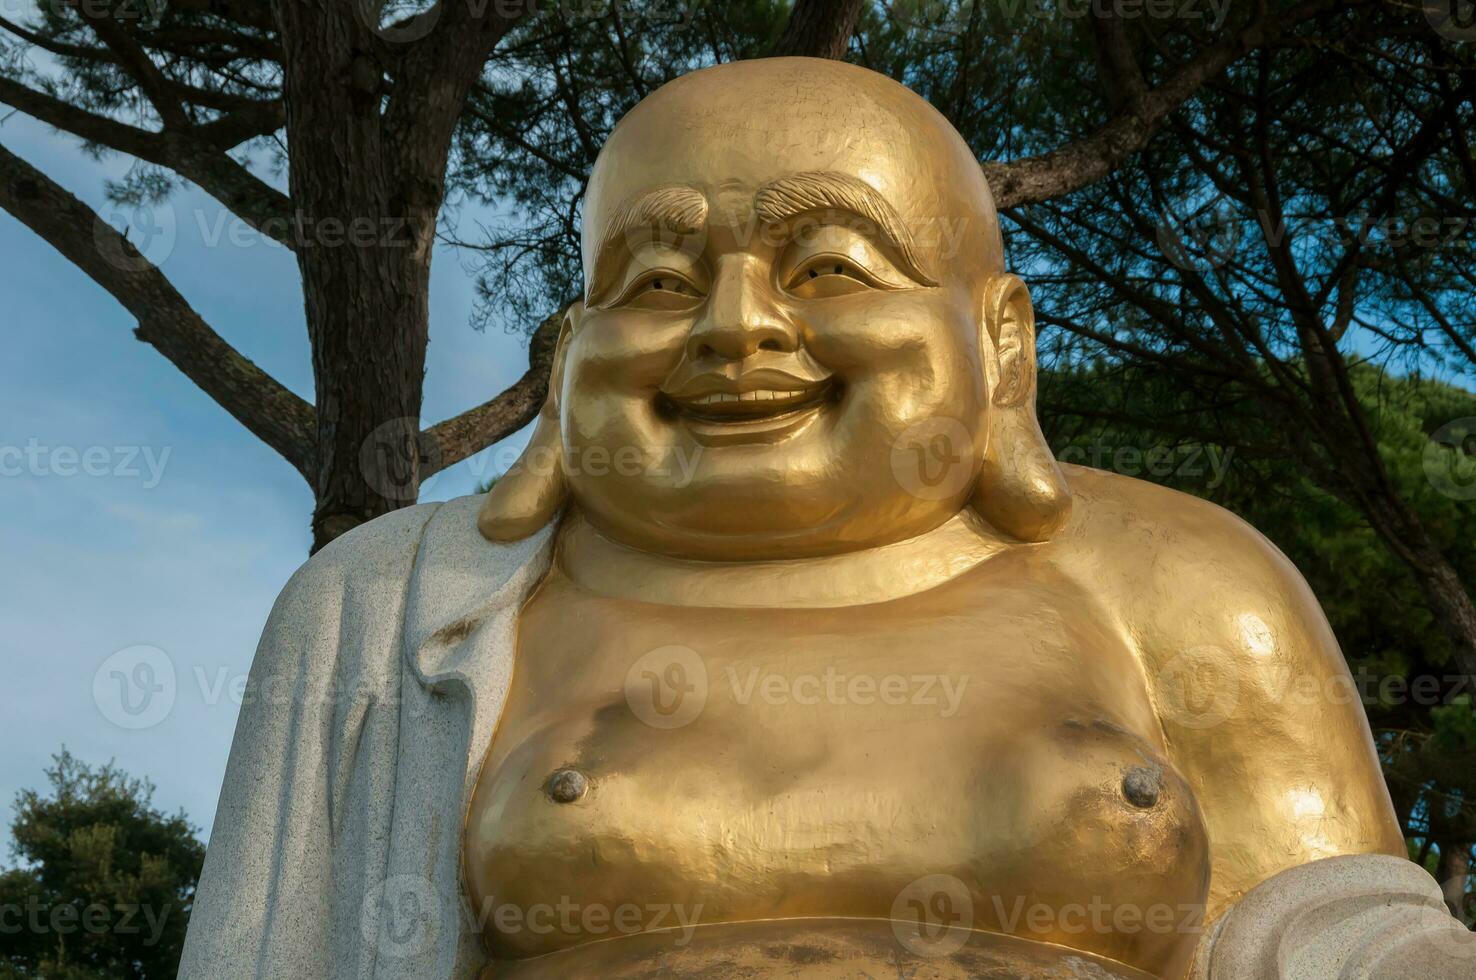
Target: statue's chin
816,948
697,537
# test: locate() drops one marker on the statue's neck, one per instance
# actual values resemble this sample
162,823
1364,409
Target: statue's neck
879,574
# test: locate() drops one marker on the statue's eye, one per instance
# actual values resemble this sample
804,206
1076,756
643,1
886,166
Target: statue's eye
660,290
829,275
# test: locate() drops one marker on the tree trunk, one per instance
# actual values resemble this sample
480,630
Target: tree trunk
364,229
819,28
1453,871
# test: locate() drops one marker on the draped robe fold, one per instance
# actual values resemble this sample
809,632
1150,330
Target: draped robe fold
336,848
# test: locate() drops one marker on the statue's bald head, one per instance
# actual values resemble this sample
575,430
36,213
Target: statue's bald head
730,129
793,284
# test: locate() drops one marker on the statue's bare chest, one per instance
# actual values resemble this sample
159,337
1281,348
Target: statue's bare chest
737,764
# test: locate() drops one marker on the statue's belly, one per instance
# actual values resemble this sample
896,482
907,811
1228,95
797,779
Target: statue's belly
817,949
917,766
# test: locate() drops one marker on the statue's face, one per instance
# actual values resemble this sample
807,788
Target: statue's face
784,263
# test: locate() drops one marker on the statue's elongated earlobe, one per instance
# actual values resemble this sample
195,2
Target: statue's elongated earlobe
1021,490
533,490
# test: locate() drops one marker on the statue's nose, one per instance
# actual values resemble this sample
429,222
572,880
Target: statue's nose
741,315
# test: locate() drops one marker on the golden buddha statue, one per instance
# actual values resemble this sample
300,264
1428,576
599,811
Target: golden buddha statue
787,649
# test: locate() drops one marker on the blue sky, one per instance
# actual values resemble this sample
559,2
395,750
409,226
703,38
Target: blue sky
186,527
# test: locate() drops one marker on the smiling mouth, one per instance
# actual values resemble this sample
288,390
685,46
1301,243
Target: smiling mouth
756,405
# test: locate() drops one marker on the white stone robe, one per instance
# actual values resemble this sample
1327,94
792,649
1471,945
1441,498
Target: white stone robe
336,851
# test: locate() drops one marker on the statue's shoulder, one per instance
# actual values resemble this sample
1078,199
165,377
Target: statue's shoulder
1122,511
1170,554
428,540
376,551
402,576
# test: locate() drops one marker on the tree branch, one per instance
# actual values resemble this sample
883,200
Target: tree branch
476,429
95,129
136,61
165,319
1031,180
436,74
206,163
1122,78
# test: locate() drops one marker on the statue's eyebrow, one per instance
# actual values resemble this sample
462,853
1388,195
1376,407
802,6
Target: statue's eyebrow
675,208
821,190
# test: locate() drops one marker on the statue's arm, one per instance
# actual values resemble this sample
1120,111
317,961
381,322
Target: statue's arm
1310,876
292,848
1257,705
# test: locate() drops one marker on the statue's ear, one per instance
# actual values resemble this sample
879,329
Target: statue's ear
1021,490
533,490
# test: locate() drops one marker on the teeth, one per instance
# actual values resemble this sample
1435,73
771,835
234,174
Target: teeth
763,395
